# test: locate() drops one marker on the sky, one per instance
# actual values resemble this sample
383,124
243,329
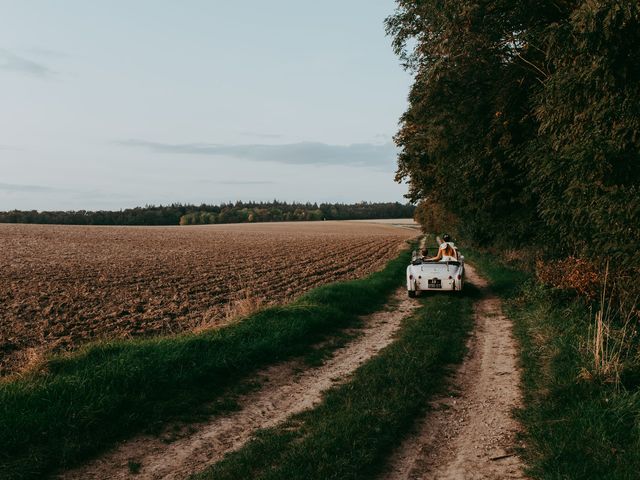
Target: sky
115,104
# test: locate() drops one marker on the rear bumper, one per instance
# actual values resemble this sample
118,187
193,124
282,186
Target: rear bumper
447,286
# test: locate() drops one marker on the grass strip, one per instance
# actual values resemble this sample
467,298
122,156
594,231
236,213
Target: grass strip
80,404
359,424
576,426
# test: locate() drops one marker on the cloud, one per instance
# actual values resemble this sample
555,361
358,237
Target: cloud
382,137
45,52
235,182
304,153
11,148
244,182
14,63
261,135
13,187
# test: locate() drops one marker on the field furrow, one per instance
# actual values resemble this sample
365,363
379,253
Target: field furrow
63,286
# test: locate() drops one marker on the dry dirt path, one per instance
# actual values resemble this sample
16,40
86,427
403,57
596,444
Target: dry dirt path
470,434
286,391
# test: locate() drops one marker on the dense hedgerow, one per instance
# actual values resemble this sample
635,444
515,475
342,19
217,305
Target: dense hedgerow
524,122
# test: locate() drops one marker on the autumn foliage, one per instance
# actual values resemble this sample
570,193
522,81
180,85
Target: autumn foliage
571,273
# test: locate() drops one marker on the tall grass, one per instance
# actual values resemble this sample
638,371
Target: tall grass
614,336
581,377
77,405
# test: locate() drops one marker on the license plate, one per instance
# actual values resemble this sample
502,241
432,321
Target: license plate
434,283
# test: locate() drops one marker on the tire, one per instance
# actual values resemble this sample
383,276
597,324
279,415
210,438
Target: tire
412,293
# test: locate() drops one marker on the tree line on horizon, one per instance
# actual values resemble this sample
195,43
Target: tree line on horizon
523,124
238,212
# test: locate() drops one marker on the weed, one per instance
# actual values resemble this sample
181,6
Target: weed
244,306
612,338
134,467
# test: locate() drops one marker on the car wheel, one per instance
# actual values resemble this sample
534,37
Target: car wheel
412,293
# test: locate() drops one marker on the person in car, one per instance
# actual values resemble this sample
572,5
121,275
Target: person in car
446,252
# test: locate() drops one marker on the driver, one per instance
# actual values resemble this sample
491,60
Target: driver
446,252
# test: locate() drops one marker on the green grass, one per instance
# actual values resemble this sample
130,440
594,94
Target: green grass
78,405
359,424
575,427
506,281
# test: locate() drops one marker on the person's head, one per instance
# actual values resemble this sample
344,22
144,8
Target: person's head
446,238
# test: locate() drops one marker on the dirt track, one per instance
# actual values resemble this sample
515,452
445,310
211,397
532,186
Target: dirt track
285,393
470,434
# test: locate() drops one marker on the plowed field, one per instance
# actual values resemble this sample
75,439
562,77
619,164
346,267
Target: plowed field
61,286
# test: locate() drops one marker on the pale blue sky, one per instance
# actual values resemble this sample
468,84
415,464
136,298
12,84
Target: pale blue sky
111,104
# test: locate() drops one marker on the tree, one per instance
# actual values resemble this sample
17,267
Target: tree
585,166
469,111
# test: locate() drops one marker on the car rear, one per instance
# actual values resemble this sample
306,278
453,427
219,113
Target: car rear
435,276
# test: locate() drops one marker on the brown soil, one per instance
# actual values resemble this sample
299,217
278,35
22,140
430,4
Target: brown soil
62,286
471,433
286,391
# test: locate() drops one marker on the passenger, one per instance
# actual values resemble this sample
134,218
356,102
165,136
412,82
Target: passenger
447,251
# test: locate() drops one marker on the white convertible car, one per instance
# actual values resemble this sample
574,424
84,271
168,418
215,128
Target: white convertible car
423,275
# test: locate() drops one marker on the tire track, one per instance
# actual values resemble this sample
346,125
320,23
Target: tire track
471,434
286,392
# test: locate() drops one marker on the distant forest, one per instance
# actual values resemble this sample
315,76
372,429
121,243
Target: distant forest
238,212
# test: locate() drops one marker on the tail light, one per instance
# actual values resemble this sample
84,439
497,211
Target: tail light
410,277
450,277
459,277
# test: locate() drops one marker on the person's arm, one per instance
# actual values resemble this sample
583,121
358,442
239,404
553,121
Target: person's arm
437,257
